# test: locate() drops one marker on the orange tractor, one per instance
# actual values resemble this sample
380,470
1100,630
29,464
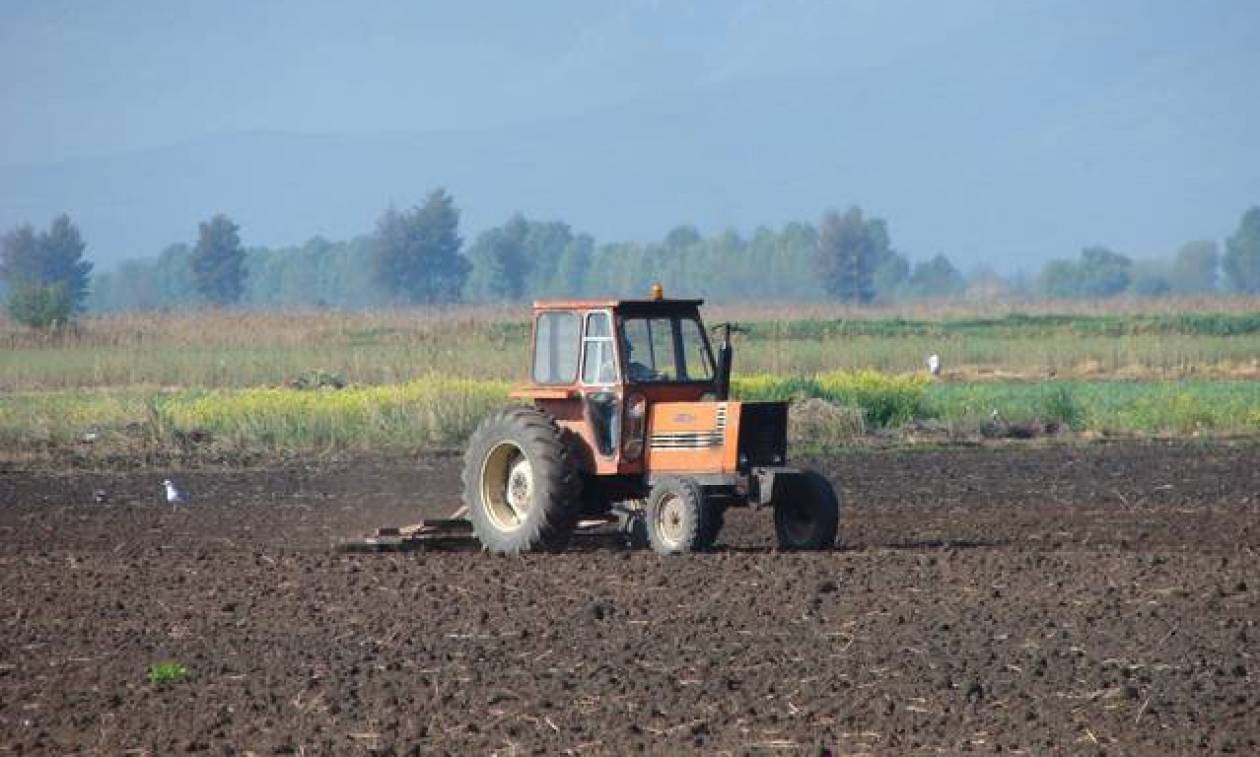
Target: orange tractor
630,416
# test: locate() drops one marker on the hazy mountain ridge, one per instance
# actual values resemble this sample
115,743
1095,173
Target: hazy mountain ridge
741,153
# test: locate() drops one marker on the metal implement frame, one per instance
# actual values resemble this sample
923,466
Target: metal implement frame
453,532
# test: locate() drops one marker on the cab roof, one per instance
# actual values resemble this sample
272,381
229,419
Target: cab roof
646,306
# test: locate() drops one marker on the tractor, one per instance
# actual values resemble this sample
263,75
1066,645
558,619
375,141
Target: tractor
629,418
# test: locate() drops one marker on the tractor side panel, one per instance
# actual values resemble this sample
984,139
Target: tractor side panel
693,437
571,417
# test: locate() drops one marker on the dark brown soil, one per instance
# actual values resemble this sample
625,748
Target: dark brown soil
1053,600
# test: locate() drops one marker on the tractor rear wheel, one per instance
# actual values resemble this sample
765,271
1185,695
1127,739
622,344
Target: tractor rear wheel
680,518
807,513
521,485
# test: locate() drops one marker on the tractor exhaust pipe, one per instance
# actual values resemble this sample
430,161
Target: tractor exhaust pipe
726,357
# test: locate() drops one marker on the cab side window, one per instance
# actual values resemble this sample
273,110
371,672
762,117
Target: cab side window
695,354
556,348
649,349
599,361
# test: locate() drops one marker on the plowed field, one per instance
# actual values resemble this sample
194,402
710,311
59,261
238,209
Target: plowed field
1039,600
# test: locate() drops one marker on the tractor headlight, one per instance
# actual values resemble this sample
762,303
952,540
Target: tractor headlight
635,427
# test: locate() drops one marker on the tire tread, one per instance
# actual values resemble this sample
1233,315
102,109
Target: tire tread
557,485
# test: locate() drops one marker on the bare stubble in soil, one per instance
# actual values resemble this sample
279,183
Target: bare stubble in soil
1052,600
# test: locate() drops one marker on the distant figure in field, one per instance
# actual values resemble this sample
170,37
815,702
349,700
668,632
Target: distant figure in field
173,496
934,364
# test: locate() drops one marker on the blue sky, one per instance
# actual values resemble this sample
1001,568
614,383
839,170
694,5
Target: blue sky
995,132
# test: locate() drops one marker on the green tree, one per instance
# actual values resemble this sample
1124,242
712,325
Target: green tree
1242,254
573,267
175,278
319,273
133,286
1104,273
165,282
1195,268
795,275
1150,279
500,262
417,257
1059,279
1100,273
20,258
849,250
682,237
622,269
545,245
40,306
62,249
218,261
937,278
46,275
891,275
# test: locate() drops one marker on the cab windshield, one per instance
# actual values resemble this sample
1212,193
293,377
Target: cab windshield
665,349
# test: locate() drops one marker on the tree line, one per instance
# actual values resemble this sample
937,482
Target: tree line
417,256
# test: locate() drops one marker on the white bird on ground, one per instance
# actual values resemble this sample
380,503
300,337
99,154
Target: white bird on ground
934,364
173,496
100,496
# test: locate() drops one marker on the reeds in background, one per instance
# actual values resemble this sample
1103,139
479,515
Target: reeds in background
220,350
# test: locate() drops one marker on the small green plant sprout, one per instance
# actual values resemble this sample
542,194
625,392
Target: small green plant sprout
167,672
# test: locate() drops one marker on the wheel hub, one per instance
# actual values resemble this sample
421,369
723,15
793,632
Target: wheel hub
670,518
520,486
507,486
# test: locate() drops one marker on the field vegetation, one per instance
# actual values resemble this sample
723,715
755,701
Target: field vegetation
245,349
236,384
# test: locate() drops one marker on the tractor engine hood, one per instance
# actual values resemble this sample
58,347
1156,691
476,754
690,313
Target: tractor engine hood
716,437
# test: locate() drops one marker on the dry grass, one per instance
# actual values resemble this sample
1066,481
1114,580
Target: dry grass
305,327
818,423
236,328
950,309
245,349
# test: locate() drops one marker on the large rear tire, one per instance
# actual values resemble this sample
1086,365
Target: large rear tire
521,484
679,518
807,513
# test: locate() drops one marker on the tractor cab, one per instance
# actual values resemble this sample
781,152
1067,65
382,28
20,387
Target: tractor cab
630,408
598,366
620,342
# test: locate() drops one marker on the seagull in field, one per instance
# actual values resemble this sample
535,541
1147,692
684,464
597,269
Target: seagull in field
100,496
934,364
173,496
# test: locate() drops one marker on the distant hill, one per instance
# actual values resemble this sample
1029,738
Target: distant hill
1012,190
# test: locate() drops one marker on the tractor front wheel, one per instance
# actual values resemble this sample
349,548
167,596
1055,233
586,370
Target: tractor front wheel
680,518
807,512
521,485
